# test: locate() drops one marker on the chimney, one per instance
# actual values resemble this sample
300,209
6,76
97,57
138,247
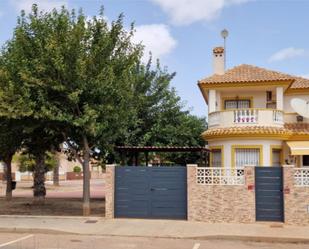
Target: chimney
218,60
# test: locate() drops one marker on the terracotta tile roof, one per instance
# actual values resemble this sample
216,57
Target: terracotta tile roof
218,50
247,130
289,129
300,83
247,73
298,128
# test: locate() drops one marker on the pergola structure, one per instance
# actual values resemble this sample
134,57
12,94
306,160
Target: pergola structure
136,150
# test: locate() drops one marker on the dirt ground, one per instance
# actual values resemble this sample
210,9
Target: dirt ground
64,200
52,206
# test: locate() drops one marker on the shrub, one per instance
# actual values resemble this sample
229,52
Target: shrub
77,169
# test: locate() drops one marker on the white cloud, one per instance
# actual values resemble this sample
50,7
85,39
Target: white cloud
185,12
46,5
156,38
305,76
286,53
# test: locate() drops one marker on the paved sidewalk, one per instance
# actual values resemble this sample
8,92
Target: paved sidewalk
153,228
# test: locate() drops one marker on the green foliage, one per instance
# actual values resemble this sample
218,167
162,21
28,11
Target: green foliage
77,169
26,163
11,136
159,115
69,79
50,161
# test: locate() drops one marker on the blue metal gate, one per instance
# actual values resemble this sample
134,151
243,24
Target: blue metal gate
151,192
269,194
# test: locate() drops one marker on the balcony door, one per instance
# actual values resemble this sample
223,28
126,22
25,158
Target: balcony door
237,104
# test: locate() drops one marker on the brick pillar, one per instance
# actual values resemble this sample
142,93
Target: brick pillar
191,188
289,194
250,187
109,191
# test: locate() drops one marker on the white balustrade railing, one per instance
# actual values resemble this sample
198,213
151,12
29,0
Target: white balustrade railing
220,176
301,177
246,116
278,116
214,118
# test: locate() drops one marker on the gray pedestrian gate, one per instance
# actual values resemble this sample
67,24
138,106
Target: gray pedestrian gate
269,194
151,192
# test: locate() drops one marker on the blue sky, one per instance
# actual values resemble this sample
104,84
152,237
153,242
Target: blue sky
181,33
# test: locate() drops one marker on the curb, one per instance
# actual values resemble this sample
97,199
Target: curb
207,237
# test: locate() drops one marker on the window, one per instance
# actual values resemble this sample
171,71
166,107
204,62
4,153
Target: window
237,104
305,160
247,156
216,158
276,157
269,96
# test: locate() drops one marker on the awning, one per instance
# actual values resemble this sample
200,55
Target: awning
299,147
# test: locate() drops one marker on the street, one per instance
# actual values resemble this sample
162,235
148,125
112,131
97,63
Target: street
52,241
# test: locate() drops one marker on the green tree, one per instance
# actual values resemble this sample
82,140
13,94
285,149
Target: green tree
67,70
160,117
11,136
40,139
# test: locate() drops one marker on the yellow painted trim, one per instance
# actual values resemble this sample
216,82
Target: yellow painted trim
219,147
249,136
223,99
285,137
240,146
290,113
300,137
297,91
276,147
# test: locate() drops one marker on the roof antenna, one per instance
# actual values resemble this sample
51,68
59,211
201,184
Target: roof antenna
224,34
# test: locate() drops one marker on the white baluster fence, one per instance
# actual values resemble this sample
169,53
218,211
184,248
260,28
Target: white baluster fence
277,116
301,177
220,176
246,116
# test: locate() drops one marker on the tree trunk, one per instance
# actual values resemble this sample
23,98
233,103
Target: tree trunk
56,170
8,176
86,178
39,190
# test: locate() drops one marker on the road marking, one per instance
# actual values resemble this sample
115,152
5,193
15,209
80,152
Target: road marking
196,246
17,240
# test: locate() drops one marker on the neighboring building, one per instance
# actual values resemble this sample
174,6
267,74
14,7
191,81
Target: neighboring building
65,171
250,117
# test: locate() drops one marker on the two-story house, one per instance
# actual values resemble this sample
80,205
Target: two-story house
250,116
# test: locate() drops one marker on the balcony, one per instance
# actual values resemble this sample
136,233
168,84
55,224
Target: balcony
240,117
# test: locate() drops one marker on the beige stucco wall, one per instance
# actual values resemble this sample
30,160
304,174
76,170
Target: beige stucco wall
259,97
227,144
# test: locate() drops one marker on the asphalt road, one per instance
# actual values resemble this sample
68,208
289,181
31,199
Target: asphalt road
51,241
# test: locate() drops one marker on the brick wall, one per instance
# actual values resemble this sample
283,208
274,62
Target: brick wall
296,199
221,203
109,191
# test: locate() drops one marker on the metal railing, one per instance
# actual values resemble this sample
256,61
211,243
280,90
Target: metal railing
220,176
301,177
